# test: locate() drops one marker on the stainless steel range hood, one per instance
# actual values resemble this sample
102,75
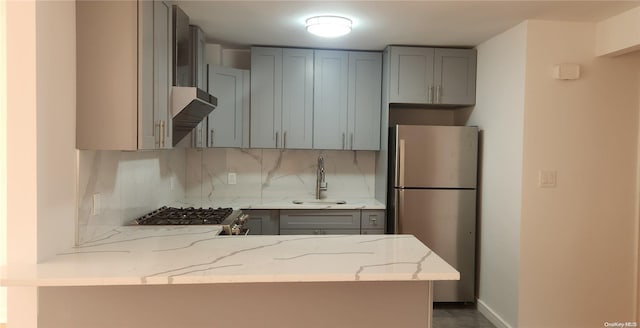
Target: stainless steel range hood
190,104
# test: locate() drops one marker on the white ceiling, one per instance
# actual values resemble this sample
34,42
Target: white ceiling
379,23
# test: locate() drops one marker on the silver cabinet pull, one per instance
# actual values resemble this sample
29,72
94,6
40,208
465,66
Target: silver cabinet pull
159,141
200,140
342,140
284,139
430,94
351,140
162,136
276,139
211,141
438,94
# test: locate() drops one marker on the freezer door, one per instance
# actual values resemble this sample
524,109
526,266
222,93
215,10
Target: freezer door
445,221
435,156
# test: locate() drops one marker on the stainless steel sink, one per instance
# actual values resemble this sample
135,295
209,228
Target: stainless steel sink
319,201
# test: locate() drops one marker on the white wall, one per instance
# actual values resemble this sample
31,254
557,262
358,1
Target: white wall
499,114
578,240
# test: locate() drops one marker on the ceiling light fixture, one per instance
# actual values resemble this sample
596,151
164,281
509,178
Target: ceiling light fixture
329,26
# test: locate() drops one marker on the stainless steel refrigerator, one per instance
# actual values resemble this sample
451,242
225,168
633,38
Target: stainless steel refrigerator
432,195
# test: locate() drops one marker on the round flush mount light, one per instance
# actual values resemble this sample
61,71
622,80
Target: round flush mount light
329,26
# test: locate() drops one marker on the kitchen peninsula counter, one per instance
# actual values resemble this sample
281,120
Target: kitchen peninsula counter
139,255
189,276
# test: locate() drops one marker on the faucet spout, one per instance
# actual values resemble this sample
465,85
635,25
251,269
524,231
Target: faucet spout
321,184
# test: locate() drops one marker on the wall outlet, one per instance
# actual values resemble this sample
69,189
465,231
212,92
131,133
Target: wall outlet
95,206
231,178
547,179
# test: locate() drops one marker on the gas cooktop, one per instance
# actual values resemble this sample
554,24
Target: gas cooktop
189,215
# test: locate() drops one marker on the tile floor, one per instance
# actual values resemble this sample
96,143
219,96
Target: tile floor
458,316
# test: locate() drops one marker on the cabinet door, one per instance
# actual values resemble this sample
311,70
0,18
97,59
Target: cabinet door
411,75
262,222
266,97
297,98
162,63
365,91
154,74
455,76
373,220
330,99
225,122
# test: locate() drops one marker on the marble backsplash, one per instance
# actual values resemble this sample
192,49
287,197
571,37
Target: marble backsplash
272,174
129,184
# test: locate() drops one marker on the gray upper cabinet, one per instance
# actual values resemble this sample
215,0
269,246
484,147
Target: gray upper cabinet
225,122
266,97
124,75
411,75
347,94
455,76
281,98
330,99
435,76
297,98
364,97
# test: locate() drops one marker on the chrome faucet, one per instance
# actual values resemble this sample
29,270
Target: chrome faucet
321,184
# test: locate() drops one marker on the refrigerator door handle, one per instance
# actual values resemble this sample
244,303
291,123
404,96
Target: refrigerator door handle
399,201
400,164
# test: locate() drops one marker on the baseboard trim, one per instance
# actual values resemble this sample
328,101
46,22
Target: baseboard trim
491,315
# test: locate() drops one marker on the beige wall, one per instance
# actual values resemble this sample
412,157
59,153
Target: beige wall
578,249
40,140
618,34
3,153
499,114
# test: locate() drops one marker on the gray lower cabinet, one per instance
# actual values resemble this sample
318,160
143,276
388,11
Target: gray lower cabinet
372,222
262,222
331,222
319,222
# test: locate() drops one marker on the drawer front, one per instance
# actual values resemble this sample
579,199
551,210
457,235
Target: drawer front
320,232
373,219
324,219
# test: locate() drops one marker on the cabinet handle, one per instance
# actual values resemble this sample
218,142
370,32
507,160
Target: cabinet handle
200,140
342,140
438,93
284,139
162,136
430,94
351,140
276,139
159,141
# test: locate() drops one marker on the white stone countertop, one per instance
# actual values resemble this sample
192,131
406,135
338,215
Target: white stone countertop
287,203
139,255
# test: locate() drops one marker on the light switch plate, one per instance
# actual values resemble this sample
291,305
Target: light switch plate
547,179
231,178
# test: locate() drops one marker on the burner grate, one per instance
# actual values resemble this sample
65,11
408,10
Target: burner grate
184,216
